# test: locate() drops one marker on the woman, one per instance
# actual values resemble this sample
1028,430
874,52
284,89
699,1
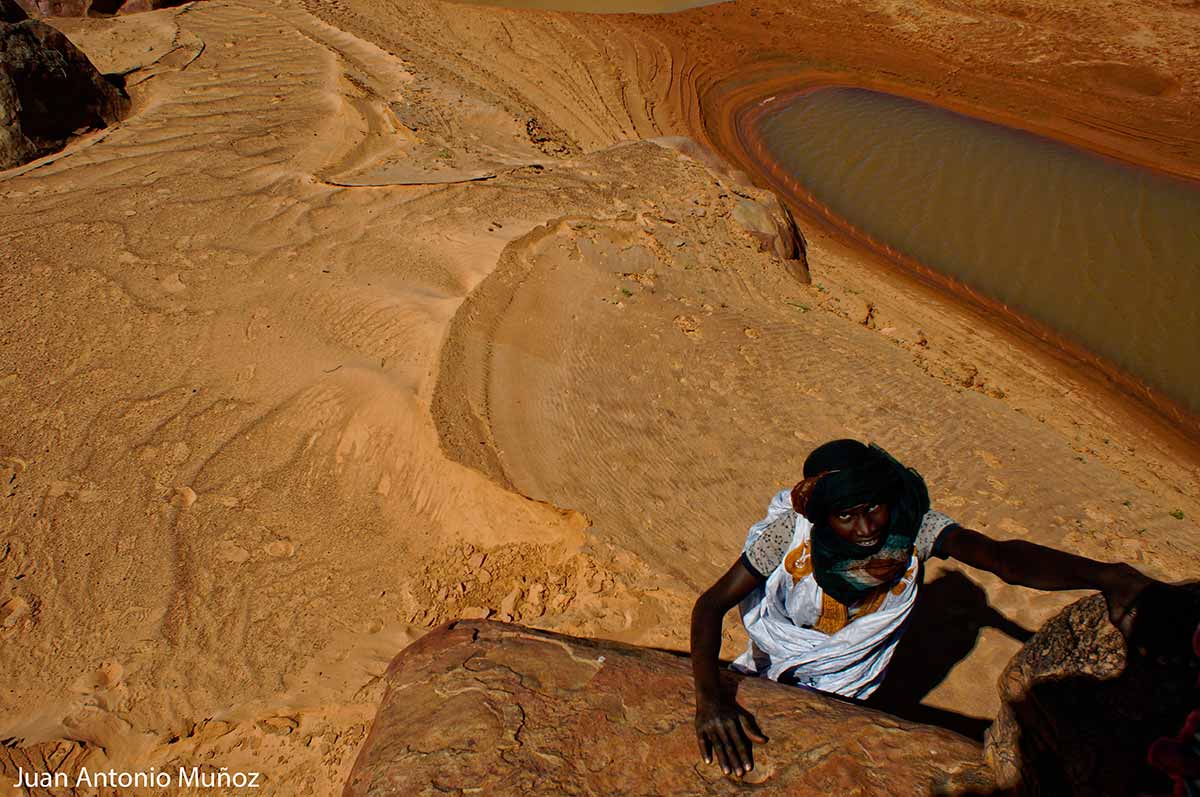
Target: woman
828,578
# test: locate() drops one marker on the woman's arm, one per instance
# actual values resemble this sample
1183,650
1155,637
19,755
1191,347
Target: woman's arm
1028,564
720,730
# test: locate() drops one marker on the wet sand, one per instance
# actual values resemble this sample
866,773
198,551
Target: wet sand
376,315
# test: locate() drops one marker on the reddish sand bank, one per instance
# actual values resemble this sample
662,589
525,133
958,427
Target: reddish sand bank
1136,103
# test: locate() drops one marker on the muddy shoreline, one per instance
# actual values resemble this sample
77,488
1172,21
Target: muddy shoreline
1135,106
737,139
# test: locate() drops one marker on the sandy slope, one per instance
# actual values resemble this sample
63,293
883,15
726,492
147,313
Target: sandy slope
217,454
252,439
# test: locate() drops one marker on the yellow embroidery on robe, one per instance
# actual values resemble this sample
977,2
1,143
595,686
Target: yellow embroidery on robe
798,562
872,604
836,616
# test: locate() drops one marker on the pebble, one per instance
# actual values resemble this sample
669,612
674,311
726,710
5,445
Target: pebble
475,613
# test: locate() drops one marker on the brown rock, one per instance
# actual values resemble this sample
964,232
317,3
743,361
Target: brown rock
759,212
770,223
48,90
91,8
1078,715
12,12
508,606
475,613
56,8
488,708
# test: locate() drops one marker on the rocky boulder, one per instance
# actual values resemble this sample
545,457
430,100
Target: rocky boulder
769,222
49,90
92,8
1078,714
12,12
762,214
56,8
496,709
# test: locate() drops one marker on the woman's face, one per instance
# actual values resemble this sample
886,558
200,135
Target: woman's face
862,525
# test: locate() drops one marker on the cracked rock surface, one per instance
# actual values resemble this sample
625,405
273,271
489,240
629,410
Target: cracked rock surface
491,708
1079,714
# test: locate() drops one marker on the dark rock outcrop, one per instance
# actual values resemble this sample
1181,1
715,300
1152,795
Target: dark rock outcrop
56,8
489,708
92,8
11,12
1078,714
49,90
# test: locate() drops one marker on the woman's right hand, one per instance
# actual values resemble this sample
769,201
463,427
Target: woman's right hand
725,731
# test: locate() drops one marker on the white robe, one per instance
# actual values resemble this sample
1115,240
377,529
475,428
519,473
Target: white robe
850,662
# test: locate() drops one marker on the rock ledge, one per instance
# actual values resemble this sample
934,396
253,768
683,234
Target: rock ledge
490,708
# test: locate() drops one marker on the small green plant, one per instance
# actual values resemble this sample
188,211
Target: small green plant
627,292
1127,502
1177,514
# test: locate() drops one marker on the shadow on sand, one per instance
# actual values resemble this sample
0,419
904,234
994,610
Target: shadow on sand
943,629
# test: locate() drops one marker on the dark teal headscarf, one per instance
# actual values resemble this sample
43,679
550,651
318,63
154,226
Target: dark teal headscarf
859,474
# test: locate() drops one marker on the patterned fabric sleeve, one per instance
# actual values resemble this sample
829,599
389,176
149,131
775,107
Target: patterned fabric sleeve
932,526
766,548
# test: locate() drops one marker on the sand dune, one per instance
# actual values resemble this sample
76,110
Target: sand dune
366,320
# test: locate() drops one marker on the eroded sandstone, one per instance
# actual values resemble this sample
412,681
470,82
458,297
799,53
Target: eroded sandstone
490,708
1079,714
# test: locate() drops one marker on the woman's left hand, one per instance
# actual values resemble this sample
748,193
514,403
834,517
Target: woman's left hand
1123,584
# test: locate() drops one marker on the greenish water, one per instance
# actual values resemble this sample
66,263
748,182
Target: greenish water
1104,253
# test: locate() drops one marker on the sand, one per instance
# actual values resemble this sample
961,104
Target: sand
376,315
